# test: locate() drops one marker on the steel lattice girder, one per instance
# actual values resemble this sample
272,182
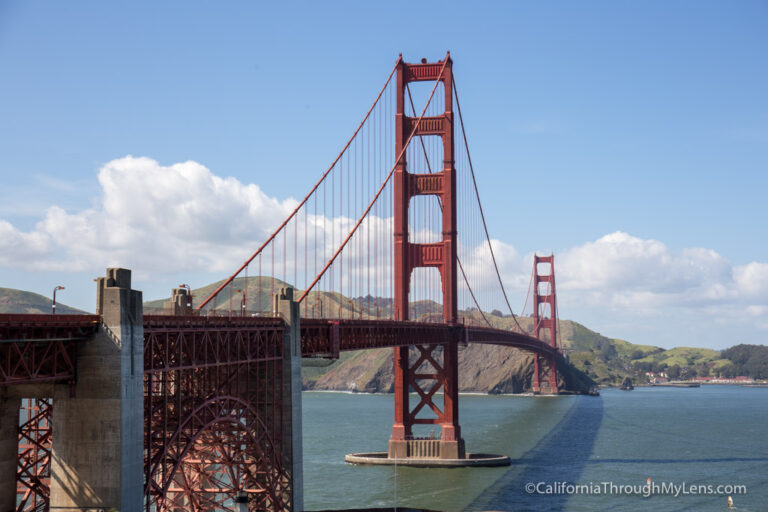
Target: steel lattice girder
41,348
214,413
33,470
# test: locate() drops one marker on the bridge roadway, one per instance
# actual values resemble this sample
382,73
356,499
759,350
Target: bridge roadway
42,348
186,353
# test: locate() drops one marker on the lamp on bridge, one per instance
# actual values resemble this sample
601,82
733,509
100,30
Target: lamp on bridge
53,304
243,302
242,306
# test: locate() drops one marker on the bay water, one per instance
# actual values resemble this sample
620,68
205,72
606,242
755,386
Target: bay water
682,439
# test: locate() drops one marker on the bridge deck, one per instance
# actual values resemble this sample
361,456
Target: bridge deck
42,348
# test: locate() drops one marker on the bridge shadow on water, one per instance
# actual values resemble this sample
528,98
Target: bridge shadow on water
560,456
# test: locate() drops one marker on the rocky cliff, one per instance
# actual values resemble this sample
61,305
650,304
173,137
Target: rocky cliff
482,369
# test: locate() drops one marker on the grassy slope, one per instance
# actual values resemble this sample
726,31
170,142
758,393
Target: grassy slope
687,356
20,301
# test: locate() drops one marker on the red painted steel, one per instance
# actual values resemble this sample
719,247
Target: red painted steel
18,327
213,413
430,372
326,338
33,469
545,325
41,348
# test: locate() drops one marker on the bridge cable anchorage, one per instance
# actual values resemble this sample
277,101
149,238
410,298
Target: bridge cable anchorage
440,204
480,205
303,201
378,193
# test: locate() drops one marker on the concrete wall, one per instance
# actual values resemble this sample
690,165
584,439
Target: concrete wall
285,307
9,442
97,456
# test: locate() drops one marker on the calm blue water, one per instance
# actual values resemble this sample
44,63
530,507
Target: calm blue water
710,435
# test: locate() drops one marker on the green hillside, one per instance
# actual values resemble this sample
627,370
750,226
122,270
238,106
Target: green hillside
605,360
20,301
685,356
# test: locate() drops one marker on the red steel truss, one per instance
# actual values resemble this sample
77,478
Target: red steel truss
33,471
326,338
214,413
41,348
545,324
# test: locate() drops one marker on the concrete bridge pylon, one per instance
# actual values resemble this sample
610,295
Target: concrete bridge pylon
97,454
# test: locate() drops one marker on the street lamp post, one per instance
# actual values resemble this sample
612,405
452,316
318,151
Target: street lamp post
53,305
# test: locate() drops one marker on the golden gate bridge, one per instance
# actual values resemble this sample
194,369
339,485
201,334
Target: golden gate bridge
390,248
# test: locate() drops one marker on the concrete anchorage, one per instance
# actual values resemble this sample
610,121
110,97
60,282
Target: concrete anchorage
97,454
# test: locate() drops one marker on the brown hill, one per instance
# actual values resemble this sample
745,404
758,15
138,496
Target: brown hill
20,301
482,369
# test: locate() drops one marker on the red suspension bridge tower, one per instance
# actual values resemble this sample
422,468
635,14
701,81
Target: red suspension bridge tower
428,373
545,324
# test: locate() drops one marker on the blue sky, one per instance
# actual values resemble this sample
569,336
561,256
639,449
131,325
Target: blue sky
647,119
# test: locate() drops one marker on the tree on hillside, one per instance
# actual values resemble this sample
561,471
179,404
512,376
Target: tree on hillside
751,360
642,366
673,371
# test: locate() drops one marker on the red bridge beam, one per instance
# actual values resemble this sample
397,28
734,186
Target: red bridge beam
326,338
490,336
41,348
193,342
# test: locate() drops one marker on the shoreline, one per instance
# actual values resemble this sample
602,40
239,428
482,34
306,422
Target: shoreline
461,393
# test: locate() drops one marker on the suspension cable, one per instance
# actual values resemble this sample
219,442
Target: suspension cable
378,193
480,205
440,203
306,198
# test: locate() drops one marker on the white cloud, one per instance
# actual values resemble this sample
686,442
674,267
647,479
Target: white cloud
626,277
152,217
625,271
160,219
752,279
